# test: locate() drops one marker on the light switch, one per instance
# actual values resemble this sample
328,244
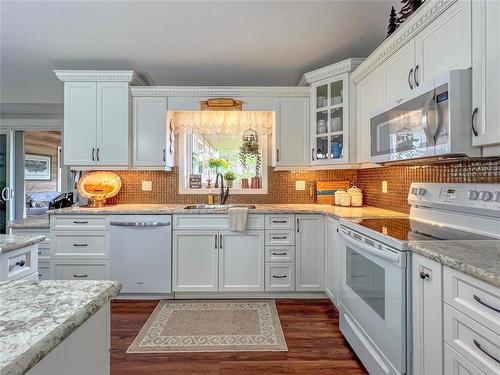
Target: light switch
300,185
384,186
147,185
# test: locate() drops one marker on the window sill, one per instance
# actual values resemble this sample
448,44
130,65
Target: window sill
205,191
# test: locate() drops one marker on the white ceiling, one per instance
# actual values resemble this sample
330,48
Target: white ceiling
180,42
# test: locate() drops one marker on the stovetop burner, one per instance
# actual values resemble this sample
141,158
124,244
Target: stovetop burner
415,230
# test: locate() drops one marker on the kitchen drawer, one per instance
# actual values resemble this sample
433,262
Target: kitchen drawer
277,221
83,270
473,297
44,271
456,364
19,263
63,222
213,221
280,277
43,254
280,237
280,253
474,342
78,245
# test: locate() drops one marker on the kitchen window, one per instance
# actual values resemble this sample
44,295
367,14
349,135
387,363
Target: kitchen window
234,144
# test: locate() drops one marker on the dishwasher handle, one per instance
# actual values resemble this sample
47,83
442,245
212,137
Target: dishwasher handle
140,223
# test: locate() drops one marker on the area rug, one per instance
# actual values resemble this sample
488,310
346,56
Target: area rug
211,326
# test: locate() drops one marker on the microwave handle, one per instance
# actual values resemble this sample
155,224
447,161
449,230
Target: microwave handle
431,136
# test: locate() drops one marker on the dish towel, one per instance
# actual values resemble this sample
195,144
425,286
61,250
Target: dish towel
237,218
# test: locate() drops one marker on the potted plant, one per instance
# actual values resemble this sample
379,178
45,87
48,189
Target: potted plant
250,149
229,177
217,163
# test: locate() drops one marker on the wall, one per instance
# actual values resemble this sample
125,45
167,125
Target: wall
282,184
43,143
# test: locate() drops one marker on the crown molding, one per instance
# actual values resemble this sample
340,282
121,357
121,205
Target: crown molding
329,71
220,91
100,76
427,13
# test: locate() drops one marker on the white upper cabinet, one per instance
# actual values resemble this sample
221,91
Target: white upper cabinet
369,96
399,70
112,143
310,253
444,44
96,117
486,73
291,133
151,145
80,119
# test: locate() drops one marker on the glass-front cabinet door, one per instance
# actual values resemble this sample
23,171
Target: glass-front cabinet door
329,109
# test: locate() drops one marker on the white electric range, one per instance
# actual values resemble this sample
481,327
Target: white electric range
375,280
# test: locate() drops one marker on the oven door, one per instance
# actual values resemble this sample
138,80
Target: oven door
373,294
407,128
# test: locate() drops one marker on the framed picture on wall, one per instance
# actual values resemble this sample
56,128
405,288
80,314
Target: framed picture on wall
37,167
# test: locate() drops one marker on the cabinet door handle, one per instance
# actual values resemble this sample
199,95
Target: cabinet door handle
80,276
97,154
280,276
80,244
93,154
473,122
220,241
279,254
415,75
298,227
424,275
312,154
485,304
410,73
216,243
277,154
164,156
485,352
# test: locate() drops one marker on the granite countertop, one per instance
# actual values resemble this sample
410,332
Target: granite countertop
9,242
162,209
479,259
32,222
36,316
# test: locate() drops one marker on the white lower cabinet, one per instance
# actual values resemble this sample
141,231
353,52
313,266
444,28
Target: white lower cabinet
456,364
44,271
195,260
310,253
332,259
427,313
81,269
241,260
280,277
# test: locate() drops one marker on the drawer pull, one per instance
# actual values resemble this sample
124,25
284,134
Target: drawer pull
80,222
39,253
81,276
424,275
280,238
280,276
80,244
280,221
485,304
20,263
284,253
485,352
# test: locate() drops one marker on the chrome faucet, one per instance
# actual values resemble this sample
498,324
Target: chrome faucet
223,194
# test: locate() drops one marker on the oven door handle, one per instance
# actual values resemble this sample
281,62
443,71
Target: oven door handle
384,254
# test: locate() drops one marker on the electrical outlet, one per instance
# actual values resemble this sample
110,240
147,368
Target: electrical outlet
384,186
300,185
147,185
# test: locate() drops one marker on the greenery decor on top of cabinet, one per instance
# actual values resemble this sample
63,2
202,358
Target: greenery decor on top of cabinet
96,117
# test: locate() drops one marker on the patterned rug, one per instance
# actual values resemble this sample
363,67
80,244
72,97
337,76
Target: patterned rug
211,326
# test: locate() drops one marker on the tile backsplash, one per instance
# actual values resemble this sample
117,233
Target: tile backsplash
282,184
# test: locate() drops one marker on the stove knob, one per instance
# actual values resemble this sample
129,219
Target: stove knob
497,196
421,191
486,196
414,191
473,195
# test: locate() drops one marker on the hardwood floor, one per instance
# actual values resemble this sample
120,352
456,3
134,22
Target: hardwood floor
315,345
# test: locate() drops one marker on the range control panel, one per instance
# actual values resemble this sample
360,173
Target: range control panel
458,196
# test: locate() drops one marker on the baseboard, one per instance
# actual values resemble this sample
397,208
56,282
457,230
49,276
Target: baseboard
236,295
145,296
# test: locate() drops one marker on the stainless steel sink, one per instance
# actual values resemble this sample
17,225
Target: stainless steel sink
217,206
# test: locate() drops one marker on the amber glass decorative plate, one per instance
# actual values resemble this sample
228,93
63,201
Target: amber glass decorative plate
99,186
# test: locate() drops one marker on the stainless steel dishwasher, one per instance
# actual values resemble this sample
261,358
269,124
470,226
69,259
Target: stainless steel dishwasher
141,253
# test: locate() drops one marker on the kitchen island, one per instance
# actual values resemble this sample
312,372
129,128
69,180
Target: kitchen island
55,327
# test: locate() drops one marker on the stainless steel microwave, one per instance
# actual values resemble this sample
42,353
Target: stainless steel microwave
432,120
